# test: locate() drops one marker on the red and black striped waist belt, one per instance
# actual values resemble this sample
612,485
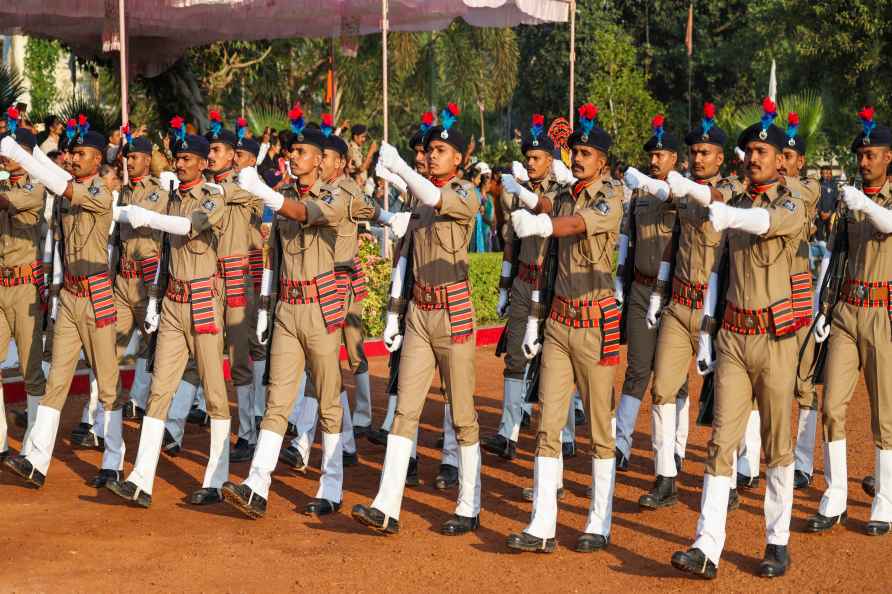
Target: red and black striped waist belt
777,319
12,276
144,269
455,298
690,295
579,313
867,293
323,289
531,274
429,297
643,279
585,313
79,286
97,288
298,291
183,291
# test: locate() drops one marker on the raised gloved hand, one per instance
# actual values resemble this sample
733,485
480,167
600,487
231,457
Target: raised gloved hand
526,224
389,158
854,198
821,329
705,361
562,174
391,178
752,220
152,316
250,181
393,340
119,213
527,197
618,290
54,307
654,311
531,345
399,223
680,186
502,307
635,179
519,172
57,183
262,325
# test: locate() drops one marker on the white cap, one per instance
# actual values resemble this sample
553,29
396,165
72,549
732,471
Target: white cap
483,168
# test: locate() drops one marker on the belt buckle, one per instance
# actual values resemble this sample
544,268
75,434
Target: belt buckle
8,273
428,297
860,291
749,320
572,311
295,292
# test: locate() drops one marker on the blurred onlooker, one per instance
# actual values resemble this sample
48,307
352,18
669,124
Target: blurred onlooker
53,128
481,176
496,192
56,157
114,145
111,177
357,165
826,208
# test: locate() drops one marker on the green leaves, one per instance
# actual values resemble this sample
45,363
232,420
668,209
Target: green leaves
808,104
11,87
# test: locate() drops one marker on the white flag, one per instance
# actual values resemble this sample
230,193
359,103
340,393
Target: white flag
772,82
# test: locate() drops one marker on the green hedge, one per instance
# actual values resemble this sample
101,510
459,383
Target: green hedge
485,270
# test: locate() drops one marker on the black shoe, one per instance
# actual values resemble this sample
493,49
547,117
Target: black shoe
869,485
775,562
103,477
86,439
531,544
321,507
20,418
412,473
525,420
206,496
821,523
440,442
497,444
4,455
244,499
373,518
568,449
360,431
131,411
291,430
694,561
747,482
589,543
378,437
528,493
257,422
664,494
349,459
457,525
447,477
242,451
197,416
81,429
291,457
22,467
169,446
578,417
130,492
801,480
878,528
679,462
733,500
622,463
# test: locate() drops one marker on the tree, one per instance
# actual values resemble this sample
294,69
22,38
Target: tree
41,56
11,87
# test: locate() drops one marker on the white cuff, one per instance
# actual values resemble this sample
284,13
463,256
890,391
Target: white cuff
396,278
880,217
421,187
266,282
700,192
384,217
663,274
712,290
161,222
623,249
506,268
169,180
58,272
261,154
535,296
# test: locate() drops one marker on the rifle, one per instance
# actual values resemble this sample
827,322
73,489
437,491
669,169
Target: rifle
277,271
707,393
408,283
159,285
628,275
502,346
546,296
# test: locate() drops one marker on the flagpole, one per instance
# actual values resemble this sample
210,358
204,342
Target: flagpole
689,42
572,59
385,247
122,40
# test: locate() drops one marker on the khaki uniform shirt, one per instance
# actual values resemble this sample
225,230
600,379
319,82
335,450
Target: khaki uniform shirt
532,249
142,243
870,252
809,192
440,239
761,265
21,223
243,214
85,222
585,261
358,209
654,222
308,249
194,256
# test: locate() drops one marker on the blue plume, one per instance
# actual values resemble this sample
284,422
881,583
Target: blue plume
792,130
587,125
216,127
297,126
446,118
12,124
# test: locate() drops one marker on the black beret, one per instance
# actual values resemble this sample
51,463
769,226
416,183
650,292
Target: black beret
248,144
337,144
357,129
542,142
91,139
25,138
756,133
452,137
194,145
797,143
714,135
595,138
309,136
417,138
880,136
223,136
140,144
668,142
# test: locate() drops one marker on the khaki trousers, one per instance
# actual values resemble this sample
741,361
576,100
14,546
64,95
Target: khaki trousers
352,336
177,342
860,342
806,393
22,321
570,358
75,329
301,341
758,368
642,343
518,312
677,342
131,299
427,343
241,339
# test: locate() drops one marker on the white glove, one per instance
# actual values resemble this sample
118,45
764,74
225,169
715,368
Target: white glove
119,213
618,293
502,307
389,158
399,223
57,184
262,325
526,224
54,307
705,362
168,177
390,177
879,217
822,329
49,163
739,152
635,179
562,174
654,311
519,172
393,340
854,198
531,346
752,220
527,197
249,181
679,186
138,217
152,316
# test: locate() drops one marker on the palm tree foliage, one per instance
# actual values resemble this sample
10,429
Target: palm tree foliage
11,87
807,104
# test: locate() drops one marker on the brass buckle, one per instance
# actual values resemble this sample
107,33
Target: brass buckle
8,273
295,292
572,312
860,291
428,297
749,320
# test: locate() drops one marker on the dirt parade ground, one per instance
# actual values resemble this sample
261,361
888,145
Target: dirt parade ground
69,537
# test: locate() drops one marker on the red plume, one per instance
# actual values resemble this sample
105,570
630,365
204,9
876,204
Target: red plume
768,105
793,118
453,109
866,113
427,118
657,121
709,110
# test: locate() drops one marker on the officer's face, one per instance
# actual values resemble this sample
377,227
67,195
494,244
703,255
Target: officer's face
762,162
305,158
332,163
826,174
138,164
662,162
538,164
420,160
442,159
244,159
706,159
872,163
220,157
793,163
588,162
189,167
85,161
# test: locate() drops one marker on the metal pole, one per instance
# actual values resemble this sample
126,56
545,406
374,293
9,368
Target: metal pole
572,60
122,40
386,137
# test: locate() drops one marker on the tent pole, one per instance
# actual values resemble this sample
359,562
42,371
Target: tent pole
385,248
572,59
